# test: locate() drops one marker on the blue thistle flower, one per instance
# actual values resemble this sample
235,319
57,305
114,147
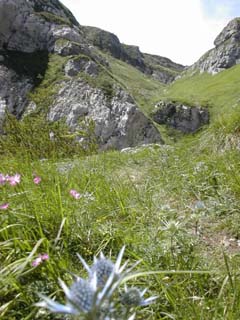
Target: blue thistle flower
134,297
80,298
95,296
103,268
82,295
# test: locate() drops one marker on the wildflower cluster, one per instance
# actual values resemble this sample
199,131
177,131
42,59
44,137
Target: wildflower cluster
13,181
96,297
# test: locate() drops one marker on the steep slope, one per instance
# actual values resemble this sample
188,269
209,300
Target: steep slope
160,68
220,95
213,81
145,90
38,39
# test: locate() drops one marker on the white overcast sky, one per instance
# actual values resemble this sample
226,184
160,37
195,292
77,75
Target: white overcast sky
181,30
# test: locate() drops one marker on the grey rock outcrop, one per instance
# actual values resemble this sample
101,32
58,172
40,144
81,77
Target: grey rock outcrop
65,48
118,121
19,73
54,7
74,66
226,52
26,38
24,29
13,91
187,119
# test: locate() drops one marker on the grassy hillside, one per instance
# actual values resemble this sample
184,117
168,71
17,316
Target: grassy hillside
219,90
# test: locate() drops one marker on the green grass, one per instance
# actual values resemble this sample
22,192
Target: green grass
49,17
145,90
143,199
43,94
218,92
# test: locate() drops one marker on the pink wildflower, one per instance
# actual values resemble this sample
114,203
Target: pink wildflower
14,180
2,179
40,259
75,194
4,206
37,262
37,180
44,256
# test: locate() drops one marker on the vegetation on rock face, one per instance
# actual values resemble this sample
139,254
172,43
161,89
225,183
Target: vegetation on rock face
36,137
43,95
146,63
49,17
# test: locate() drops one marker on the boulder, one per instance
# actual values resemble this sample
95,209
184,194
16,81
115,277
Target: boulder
187,119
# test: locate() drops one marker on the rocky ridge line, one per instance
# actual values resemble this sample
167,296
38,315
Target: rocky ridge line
160,68
226,52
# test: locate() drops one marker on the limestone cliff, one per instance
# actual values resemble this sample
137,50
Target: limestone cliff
32,33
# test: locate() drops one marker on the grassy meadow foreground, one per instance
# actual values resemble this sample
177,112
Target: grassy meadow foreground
175,207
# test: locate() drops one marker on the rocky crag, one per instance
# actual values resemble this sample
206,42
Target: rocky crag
226,52
33,32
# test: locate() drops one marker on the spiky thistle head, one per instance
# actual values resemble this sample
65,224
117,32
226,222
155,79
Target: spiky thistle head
80,298
81,295
134,297
103,268
95,297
